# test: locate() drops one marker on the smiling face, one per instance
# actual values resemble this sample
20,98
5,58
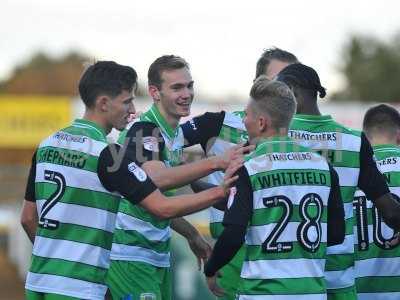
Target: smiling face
175,97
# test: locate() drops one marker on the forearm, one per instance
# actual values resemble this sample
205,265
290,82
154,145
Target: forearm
178,206
30,230
29,219
167,178
200,185
184,228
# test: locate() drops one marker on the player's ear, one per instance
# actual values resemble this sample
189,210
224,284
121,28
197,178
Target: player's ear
263,123
102,103
398,136
154,92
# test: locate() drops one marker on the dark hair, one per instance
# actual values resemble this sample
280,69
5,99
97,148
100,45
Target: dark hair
381,119
105,77
303,77
270,54
163,63
275,99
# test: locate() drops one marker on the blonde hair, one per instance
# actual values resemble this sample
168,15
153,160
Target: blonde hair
275,99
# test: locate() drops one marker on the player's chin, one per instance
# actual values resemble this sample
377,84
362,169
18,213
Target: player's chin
183,111
121,125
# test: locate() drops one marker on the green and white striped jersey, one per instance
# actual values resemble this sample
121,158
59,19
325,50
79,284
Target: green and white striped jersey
377,263
76,215
140,236
222,131
287,234
341,146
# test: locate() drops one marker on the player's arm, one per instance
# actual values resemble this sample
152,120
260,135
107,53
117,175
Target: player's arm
144,143
126,177
336,222
235,223
29,217
166,178
203,129
201,185
373,183
199,246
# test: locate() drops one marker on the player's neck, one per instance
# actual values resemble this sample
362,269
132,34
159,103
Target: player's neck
268,135
382,140
308,110
98,119
171,120
307,106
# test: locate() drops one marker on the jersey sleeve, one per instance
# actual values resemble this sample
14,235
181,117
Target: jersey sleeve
240,203
370,181
30,185
201,129
144,142
336,223
123,175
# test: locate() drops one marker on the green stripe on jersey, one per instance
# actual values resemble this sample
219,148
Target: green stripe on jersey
142,214
265,216
77,233
293,286
79,196
135,238
385,284
339,262
70,269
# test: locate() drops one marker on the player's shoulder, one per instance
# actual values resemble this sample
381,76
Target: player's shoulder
338,127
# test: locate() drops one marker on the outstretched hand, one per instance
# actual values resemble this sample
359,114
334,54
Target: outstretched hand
230,177
234,153
201,249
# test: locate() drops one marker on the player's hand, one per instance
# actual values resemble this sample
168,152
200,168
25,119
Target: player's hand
213,286
233,153
395,240
230,177
200,248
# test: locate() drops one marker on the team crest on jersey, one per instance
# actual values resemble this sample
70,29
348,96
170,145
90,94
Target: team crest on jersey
137,171
150,143
232,193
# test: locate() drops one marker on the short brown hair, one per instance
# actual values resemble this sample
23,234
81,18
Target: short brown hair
270,54
163,63
381,119
275,99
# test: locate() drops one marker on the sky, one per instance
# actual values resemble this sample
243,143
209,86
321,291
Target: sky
221,40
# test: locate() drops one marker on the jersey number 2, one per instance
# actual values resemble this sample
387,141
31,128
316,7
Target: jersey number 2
59,179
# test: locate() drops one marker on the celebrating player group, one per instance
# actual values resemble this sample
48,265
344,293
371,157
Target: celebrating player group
301,207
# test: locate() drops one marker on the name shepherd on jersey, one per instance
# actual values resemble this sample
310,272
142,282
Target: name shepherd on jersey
67,158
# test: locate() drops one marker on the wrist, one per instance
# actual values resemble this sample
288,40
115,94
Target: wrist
215,163
220,192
